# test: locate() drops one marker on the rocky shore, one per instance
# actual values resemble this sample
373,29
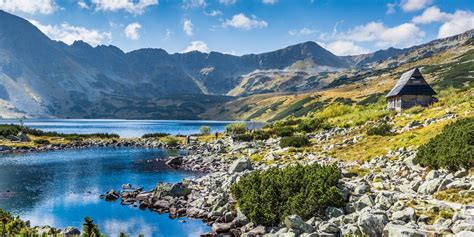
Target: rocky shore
387,196
89,143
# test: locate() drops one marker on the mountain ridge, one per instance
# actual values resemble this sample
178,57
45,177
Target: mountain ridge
40,77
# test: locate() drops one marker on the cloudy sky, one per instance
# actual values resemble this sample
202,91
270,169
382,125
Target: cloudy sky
247,26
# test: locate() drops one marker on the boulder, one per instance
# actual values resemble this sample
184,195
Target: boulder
221,227
126,186
429,187
240,165
179,190
372,224
334,212
350,230
393,230
406,215
464,234
361,189
458,184
329,227
295,222
432,175
364,201
175,161
385,200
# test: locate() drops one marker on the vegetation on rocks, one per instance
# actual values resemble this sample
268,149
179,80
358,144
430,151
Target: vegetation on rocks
294,141
171,141
155,135
380,129
236,128
14,129
452,149
267,197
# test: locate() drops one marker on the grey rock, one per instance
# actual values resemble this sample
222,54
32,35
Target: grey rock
295,222
460,173
328,228
393,230
463,225
363,202
350,230
179,190
240,165
385,200
372,224
221,227
429,187
458,184
406,215
444,184
334,212
464,234
432,175
361,189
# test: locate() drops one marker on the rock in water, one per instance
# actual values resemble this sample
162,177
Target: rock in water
175,161
240,165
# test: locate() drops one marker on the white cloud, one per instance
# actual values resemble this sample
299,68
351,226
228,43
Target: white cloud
241,21
82,4
344,47
457,23
131,31
453,24
302,32
188,27
213,13
29,6
391,8
414,5
68,33
269,1
431,14
228,2
135,7
402,35
194,3
197,46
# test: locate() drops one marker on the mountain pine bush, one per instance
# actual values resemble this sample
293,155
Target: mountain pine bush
266,197
294,141
451,149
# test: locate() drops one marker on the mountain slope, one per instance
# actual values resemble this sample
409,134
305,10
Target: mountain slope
41,77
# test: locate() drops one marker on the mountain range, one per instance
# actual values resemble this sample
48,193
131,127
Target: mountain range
40,77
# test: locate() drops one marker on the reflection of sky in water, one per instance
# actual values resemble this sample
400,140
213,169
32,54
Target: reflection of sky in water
125,128
60,188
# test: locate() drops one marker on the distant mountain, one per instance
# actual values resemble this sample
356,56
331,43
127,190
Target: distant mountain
40,77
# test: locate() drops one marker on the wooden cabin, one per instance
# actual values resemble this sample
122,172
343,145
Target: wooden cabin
411,89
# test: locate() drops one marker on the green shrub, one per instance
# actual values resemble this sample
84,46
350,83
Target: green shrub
261,135
246,137
6,130
14,226
380,129
294,141
452,149
236,128
285,131
155,135
42,142
205,130
267,197
170,141
312,125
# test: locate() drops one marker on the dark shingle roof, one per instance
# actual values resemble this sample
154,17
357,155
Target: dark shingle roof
405,87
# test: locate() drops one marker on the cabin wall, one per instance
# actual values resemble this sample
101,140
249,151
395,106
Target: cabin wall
400,103
409,101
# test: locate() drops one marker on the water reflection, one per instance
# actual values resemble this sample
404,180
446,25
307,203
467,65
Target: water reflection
60,188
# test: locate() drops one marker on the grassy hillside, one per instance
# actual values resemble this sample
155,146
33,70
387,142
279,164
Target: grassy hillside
362,90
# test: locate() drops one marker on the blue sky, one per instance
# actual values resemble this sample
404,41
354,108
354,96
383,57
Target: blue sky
247,26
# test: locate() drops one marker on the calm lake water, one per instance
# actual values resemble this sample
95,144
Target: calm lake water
124,128
60,188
